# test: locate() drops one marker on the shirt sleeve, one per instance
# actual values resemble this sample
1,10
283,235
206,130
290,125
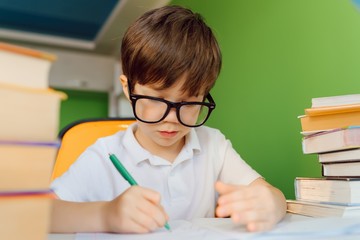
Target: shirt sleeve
84,180
234,169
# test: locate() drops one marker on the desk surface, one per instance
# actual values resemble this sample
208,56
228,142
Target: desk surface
292,227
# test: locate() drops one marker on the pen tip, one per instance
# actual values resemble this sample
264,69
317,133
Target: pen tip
167,226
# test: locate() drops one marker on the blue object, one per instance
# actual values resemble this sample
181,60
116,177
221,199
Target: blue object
357,3
79,19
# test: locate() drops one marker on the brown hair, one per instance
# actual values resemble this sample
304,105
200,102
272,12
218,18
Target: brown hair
170,42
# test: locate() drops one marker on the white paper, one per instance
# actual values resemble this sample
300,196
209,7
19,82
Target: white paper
224,229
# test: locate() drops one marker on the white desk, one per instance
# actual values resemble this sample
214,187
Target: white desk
292,227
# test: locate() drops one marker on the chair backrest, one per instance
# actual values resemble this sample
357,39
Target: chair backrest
77,136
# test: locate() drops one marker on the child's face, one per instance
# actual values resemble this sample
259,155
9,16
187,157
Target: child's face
168,134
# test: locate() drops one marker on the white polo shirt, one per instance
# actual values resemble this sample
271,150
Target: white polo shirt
186,185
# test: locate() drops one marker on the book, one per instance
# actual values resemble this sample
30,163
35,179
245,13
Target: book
26,166
330,128
24,66
332,110
25,215
29,121
342,169
335,100
341,191
338,139
329,121
312,209
29,114
340,156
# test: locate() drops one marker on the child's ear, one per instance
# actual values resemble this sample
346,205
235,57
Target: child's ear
124,84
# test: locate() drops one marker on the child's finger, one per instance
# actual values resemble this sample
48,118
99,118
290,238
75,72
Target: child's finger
151,195
143,222
236,194
223,188
154,211
259,226
250,215
236,206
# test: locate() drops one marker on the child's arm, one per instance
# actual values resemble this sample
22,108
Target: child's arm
137,210
259,206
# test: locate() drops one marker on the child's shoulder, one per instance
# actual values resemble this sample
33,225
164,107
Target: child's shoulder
211,139
209,132
114,139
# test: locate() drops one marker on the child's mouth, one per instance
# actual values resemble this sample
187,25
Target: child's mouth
168,134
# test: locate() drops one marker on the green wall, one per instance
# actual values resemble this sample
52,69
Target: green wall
81,105
277,55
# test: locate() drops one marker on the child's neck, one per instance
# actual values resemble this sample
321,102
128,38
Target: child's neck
168,153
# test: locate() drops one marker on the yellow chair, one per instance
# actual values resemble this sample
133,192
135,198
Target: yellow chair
77,136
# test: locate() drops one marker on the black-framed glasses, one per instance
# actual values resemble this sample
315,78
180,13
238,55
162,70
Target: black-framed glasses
150,109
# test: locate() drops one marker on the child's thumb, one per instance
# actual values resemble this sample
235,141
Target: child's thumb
223,188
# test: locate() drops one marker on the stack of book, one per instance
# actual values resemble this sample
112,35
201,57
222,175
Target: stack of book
331,129
28,141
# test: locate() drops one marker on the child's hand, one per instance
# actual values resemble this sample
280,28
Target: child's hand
259,206
137,210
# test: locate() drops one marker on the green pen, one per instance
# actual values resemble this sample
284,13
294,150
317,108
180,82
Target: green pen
126,175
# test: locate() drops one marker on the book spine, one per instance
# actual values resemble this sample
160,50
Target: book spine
332,121
328,173
332,110
50,91
340,156
29,143
27,51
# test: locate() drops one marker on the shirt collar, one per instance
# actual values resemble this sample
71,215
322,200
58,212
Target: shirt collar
134,149
138,154
192,141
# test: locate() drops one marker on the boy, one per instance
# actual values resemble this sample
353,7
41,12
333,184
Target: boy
170,61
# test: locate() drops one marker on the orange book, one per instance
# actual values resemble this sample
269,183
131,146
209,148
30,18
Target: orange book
332,110
26,166
25,215
329,121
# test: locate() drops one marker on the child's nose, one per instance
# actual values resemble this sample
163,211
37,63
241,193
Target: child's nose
171,117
